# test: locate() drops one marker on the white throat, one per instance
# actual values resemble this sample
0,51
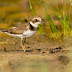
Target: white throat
34,25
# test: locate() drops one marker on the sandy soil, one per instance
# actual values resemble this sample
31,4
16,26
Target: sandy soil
42,54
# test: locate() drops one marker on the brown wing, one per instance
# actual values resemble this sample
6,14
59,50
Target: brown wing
16,30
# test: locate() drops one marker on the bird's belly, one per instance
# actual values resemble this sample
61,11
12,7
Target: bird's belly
28,33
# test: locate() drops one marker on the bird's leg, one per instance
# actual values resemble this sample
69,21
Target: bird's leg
23,44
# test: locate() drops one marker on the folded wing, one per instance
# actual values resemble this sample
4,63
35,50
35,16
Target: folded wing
15,30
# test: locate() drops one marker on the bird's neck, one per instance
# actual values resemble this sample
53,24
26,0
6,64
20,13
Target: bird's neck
34,25
31,27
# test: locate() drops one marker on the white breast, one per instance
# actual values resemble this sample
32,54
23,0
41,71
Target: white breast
28,33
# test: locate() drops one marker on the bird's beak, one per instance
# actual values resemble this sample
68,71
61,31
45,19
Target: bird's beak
42,22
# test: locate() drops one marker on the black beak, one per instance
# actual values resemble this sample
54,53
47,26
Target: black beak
42,22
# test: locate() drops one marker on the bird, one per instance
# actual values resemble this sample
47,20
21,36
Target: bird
24,32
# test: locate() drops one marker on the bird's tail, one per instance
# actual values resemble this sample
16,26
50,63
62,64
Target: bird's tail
6,32
3,30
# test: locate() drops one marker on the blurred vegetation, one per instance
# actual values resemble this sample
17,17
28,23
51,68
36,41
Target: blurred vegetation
57,15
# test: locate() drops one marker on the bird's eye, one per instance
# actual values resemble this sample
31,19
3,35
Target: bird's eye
36,20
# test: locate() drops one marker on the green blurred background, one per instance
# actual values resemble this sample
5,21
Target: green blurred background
57,15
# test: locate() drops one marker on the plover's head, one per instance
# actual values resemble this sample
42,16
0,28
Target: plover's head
35,21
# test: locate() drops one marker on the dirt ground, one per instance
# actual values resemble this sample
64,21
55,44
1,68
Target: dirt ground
42,54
